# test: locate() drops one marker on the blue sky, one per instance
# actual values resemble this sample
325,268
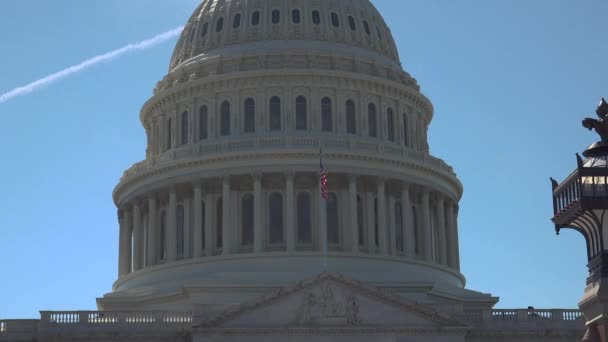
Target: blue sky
510,82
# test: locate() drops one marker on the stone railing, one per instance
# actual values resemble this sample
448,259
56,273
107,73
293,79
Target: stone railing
305,142
551,318
63,318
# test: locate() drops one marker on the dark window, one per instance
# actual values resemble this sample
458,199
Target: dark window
416,232
360,221
169,131
247,220
399,226
225,119
275,217
275,114
202,123
162,241
351,23
236,21
405,133
249,115
219,25
333,229
219,223
304,232
276,16
366,27
301,120
371,120
376,222
202,224
390,123
180,230
334,19
379,33
326,115
205,29
351,118
316,17
184,128
255,18
295,16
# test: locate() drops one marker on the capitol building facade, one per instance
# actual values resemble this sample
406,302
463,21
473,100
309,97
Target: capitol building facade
225,234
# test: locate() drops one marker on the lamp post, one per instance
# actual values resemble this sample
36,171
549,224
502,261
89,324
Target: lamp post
580,202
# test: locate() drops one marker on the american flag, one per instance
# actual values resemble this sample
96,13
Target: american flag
323,179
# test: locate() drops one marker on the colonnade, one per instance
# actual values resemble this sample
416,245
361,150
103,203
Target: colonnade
285,212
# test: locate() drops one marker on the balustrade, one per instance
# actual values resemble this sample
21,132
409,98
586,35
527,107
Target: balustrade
114,318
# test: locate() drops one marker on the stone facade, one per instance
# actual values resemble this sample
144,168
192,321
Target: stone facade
224,234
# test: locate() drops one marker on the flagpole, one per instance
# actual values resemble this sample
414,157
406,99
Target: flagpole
323,213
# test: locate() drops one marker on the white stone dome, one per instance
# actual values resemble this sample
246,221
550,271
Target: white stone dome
221,23
229,194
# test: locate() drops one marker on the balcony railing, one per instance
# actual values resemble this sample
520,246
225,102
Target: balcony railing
84,318
268,143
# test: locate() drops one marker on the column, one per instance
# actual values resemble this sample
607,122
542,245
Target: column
353,225
258,233
137,238
226,219
409,242
441,235
449,230
128,223
289,211
171,226
152,246
455,243
198,222
425,223
209,238
382,226
122,237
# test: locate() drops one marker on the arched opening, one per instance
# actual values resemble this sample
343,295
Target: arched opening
276,16
405,132
202,123
255,18
334,19
301,115
225,118
247,220
219,25
249,124
390,123
236,21
326,115
351,117
275,217
372,120
351,23
168,139
275,114
295,16
184,128
316,17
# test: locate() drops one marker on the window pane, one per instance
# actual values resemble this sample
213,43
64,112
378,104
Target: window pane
301,113
276,16
295,16
390,124
275,114
351,118
316,17
334,19
366,27
236,22
247,220
219,25
202,123
304,232
326,115
333,233
255,18
225,119
184,128
275,215
351,23
371,118
205,29
249,116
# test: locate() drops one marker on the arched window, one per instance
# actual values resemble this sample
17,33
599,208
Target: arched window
376,238
351,23
405,133
295,16
236,21
417,234
390,123
275,114
247,220
399,226
316,17
326,115
275,217
202,123
333,228
162,252
360,221
351,118
255,18
205,29
169,131
180,230
379,33
372,120
219,25
225,118
219,214
301,115
366,27
303,205
184,128
334,19
276,16
249,116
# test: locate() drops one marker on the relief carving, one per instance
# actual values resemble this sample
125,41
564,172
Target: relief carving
323,307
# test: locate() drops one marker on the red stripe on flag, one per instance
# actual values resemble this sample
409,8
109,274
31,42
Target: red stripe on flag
323,179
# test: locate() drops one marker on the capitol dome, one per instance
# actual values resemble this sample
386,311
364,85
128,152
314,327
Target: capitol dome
229,195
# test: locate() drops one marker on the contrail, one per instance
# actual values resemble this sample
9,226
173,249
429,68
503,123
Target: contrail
26,89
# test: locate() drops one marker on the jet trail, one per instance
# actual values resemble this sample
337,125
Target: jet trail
145,44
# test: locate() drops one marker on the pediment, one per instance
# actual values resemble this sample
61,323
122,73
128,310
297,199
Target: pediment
330,300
